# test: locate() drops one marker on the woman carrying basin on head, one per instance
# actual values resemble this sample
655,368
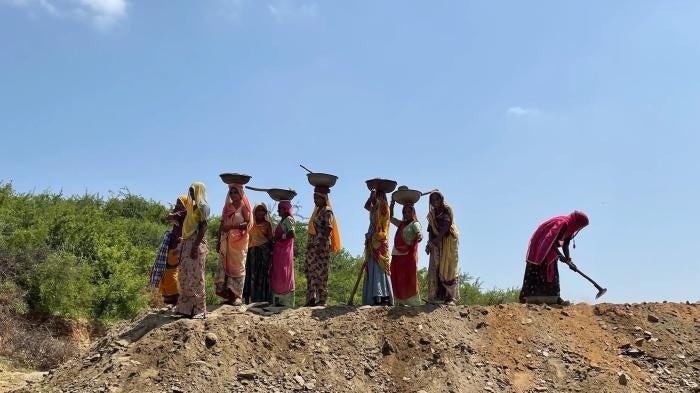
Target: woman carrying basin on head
233,245
323,239
404,256
376,289
282,271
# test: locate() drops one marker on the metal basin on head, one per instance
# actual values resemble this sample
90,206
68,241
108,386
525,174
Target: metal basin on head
404,196
381,185
235,178
322,179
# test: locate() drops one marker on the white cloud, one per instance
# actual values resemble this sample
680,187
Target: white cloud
519,111
284,11
103,14
230,9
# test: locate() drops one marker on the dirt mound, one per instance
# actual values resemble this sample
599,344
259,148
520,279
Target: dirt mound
509,348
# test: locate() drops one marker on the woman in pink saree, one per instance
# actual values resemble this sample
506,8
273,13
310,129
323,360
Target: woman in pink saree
541,271
282,270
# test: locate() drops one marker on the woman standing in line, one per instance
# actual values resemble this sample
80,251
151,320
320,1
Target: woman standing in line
168,284
404,257
376,289
282,271
257,278
233,245
323,239
443,235
192,299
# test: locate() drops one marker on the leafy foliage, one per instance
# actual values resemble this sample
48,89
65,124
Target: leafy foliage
89,257
80,256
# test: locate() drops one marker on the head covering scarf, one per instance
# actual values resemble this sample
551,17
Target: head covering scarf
577,221
262,206
540,249
184,200
412,216
431,215
180,213
257,235
197,210
335,234
230,210
286,206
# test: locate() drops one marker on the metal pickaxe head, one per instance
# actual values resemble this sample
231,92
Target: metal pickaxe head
601,292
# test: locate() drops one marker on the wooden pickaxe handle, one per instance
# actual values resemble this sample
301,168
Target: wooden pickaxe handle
357,284
600,289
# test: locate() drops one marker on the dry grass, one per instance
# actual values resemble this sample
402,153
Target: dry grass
32,345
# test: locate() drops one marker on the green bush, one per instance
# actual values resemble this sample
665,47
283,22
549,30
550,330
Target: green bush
89,256
64,286
12,298
79,256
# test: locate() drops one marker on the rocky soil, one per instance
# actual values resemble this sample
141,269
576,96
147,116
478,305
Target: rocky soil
507,348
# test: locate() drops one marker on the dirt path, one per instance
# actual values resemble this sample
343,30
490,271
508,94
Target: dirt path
12,378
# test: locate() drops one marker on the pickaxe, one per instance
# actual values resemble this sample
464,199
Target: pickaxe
601,290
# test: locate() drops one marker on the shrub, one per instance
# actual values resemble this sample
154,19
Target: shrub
12,298
64,287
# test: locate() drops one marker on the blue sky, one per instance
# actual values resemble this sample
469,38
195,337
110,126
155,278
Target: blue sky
518,111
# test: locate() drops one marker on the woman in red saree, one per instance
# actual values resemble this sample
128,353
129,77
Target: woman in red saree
404,257
541,271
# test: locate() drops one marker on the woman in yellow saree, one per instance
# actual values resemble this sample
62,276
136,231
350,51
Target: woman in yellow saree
376,289
443,235
192,300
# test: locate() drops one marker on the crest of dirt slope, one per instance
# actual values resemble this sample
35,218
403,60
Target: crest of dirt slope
507,348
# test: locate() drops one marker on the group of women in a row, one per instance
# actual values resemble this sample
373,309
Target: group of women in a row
256,262
391,276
